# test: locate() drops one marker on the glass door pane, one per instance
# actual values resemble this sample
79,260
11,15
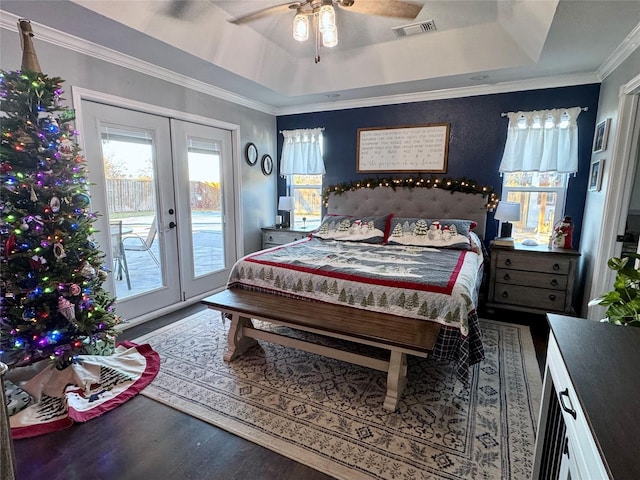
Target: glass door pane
203,163
131,203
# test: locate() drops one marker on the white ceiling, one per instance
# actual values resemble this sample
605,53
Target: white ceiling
478,43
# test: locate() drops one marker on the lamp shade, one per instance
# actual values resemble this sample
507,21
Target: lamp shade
508,212
286,203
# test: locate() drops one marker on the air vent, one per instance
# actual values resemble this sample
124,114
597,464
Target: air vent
415,28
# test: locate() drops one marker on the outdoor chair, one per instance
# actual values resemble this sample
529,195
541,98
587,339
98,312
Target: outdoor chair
117,247
136,243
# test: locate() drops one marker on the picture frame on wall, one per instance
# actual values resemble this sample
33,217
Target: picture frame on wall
403,149
601,136
595,175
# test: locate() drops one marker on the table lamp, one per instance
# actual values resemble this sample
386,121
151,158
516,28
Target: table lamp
286,204
507,212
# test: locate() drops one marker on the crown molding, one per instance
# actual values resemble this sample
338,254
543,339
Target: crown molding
489,89
9,21
621,53
64,40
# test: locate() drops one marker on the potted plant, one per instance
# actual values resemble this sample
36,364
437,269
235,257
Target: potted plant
623,302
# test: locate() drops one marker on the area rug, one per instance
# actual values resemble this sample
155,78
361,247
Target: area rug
328,414
86,389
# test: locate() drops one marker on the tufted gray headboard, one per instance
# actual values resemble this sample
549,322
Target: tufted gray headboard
411,202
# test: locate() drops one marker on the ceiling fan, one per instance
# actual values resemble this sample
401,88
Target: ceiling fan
387,8
322,12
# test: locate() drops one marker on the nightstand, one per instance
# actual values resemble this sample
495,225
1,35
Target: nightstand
272,236
532,279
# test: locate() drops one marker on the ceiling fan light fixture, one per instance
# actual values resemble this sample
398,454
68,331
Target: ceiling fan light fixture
326,17
330,37
300,26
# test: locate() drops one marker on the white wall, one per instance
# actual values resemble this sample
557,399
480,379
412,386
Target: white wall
258,191
595,202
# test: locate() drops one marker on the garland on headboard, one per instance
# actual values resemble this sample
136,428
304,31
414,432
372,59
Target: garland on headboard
463,185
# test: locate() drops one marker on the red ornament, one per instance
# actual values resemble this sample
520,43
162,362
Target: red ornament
5,167
10,245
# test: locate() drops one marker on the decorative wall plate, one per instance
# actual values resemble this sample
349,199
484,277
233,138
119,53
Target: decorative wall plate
251,153
267,164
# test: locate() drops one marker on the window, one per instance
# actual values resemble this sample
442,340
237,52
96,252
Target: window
303,167
541,196
307,193
540,154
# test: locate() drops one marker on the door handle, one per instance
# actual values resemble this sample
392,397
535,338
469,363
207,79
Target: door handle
172,225
569,410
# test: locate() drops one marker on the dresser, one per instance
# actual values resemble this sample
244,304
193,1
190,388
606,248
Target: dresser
533,279
272,236
589,422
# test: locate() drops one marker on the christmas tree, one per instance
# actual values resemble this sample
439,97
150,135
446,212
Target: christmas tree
52,303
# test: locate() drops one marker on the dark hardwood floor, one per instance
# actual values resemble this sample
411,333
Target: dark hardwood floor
144,439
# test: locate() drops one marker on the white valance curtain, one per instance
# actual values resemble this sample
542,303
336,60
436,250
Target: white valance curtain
542,141
301,152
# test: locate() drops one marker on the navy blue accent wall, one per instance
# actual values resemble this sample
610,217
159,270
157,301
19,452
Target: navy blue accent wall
476,139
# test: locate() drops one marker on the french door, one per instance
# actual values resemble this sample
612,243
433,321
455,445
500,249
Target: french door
163,189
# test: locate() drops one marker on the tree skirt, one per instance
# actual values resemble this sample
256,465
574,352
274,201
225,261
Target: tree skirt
84,390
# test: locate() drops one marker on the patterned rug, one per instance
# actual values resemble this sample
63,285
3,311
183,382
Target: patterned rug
328,414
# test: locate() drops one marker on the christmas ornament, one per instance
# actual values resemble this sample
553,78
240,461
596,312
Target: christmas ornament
66,149
66,308
10,245
74,289
54,203
50,124
33,197
87,270
81,200
37,262
58,251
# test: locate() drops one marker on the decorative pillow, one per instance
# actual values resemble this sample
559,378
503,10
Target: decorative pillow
425,232
353,229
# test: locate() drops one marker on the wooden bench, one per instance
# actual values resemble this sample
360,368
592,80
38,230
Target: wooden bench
399,335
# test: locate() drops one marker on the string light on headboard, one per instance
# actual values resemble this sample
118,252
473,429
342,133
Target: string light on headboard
463,185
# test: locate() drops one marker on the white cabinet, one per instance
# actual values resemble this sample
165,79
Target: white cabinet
573,455
589,424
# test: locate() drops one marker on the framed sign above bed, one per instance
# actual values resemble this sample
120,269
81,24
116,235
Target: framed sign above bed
420,148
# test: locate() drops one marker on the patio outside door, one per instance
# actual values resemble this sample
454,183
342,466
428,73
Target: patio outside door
164,212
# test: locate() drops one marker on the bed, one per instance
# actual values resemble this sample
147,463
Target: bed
395,268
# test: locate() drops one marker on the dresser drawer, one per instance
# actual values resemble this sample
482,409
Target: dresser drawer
532,279
542,298
280,238
533,262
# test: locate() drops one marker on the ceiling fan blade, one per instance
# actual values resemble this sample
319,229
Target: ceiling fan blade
388,8
265,12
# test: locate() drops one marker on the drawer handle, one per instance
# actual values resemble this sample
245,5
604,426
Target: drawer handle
570,411
507,277
554,283
507,262
270,237
552,297
505,294
556,266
